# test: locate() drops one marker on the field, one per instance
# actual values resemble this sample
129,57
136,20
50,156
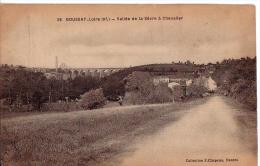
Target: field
81,137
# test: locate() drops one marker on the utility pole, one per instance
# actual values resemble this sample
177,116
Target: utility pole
56,63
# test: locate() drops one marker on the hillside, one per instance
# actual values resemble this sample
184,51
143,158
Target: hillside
236,78
113,84
82,137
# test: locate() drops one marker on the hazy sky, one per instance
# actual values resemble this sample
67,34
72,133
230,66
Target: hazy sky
31,36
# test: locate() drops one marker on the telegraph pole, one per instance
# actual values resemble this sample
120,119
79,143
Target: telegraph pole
56,63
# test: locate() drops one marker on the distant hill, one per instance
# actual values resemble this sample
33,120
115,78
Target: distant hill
159,69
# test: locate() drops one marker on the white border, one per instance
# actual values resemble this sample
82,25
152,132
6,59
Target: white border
253,2
130,1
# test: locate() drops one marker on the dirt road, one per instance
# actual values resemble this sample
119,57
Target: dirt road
217,132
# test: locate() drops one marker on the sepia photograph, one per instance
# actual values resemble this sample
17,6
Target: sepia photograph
128,85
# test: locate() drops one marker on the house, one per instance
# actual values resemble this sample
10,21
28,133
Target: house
161,79
172,85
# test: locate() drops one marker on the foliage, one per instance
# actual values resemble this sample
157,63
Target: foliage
22,86
237,78
93,99
195,90
113,85
141,90
161,94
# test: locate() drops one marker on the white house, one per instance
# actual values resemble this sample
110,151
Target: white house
160,79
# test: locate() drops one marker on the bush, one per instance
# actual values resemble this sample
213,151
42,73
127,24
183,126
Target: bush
93,99
244,91
178,93
237,78
141,90
161,94
113,87
195,90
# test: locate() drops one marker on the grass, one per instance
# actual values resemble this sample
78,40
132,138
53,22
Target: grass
80,137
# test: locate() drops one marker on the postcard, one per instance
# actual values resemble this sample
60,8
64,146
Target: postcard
128,85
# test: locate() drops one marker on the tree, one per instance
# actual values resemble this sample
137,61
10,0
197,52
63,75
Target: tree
113,87
38,99
141,90
93,99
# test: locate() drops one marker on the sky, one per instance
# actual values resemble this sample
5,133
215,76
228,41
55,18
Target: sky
32,36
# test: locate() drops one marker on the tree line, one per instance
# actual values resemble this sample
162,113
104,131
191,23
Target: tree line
22,86
237,78
18,85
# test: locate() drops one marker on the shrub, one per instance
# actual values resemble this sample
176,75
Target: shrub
113,87
161,94
237,78
195,90
141,90
93,99
244,91
133,98
178,93
138,81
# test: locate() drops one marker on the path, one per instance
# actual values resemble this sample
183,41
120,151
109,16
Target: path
214,133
